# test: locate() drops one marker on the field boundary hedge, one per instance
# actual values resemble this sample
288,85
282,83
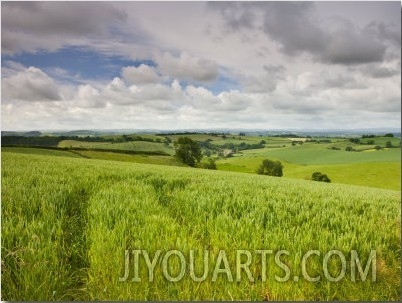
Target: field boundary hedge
118,151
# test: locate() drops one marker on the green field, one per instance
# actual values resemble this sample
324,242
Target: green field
321,154
381,175
375,168
137,146
100,155
149,159
39,151
382,140
66,223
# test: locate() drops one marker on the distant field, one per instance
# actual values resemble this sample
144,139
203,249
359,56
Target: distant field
139,146
66,223
385,175
150,159
39,151
196,137
84,144
100,155
373,168
382,140
320,154
146,136
237,140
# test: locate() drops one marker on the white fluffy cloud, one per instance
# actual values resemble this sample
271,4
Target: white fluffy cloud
30,84
142,74
88,97
187,67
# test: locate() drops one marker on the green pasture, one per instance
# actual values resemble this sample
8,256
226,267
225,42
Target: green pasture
374,168
312,153
382,140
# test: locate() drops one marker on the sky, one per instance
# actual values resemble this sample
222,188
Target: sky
200,65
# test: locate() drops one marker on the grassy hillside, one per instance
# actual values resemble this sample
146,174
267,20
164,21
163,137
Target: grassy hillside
66,224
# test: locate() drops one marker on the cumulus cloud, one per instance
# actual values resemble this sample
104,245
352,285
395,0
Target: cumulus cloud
151,97
266,81
310,83
142,74
333,94
234,101
201,97
31,84
187,67
88,97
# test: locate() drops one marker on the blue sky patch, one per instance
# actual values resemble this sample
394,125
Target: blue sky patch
86,63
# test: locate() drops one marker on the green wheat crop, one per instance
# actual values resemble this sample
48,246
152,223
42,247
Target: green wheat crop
67,222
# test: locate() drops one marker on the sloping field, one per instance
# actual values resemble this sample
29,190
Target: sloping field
383,140
385,175
149,159
375,168
320,154
40,151
82,144
67,223
138,146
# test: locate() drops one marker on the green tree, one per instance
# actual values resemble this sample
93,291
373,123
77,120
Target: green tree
317,176
207,153
355,140
210,164
388,144
270,168
188,151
